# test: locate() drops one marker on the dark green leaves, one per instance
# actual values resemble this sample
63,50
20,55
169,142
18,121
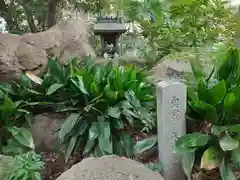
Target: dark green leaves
145,144
94,131
235,156
105,137
20,141
228,143
26,166
102,103
68,125
23,136
226,170
217,92
187,161
53,88
211,158
191,142
78,82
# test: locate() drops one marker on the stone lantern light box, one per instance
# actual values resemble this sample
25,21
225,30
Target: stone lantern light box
109,29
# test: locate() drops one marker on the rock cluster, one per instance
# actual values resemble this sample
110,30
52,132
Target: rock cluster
30,52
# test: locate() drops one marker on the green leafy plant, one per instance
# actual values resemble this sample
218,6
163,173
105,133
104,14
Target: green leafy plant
118,101
214,102
173,26
105,104
12,115
20,141
25,167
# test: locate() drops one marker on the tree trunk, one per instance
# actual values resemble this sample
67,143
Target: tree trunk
52,11
4,12
29,16
30,19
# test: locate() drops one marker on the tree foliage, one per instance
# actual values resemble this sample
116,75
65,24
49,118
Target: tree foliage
179,24
35,16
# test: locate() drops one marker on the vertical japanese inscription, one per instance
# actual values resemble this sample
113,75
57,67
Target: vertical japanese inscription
171,108
174,114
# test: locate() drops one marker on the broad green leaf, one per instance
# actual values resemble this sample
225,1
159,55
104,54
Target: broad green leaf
226,67
70,147
211,158
8,106
105,139
226,170
112,95
117,124
190,142
218,92
23,136
218,130
13,147
145,144
204,109
125,104
192,94
117,147
98,152
229,100
129,112
94,131
68,125
80,84
53,88
32,91
187,161
114,112
227,143
57,71
234,128
131,97
89,146
127,144
83,128
94,89
25,81
202,90
235,156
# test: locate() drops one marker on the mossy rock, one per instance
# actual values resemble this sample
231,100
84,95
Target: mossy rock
6,163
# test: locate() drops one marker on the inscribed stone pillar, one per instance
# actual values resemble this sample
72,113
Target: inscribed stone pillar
171,109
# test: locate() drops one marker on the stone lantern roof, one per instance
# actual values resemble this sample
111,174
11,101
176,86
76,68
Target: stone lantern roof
109,25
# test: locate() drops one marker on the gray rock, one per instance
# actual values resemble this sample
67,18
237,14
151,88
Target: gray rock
30,52
6,163
177,66
45,128
109,168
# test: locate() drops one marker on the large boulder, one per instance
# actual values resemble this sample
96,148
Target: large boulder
109,168
30,52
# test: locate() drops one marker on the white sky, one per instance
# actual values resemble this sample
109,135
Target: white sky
234,2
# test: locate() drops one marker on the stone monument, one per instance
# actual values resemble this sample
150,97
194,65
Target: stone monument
171,108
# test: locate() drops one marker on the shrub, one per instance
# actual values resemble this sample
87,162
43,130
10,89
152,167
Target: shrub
214,103
26,166
106,104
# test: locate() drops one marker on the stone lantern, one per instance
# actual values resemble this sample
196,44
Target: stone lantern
109,29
